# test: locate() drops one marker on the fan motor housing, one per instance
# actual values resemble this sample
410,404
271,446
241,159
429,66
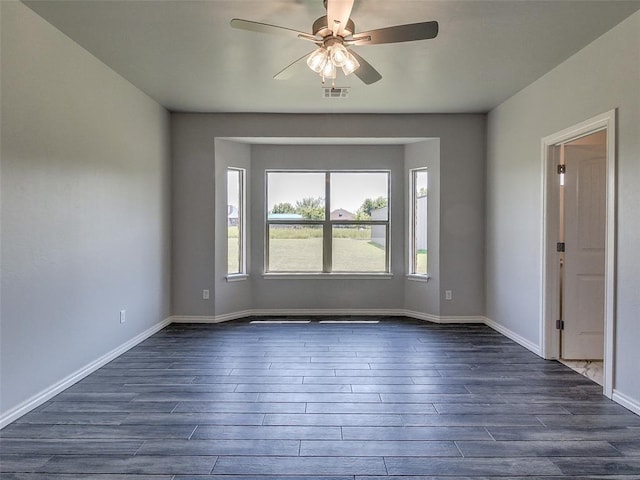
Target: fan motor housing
321,28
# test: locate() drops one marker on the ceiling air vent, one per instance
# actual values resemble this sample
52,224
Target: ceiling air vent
335,92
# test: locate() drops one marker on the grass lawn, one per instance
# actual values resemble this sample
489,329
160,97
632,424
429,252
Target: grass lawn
421,262
352,255
305,255
295,255
232,250
300,250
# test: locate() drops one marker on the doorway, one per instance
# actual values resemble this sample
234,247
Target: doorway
578,247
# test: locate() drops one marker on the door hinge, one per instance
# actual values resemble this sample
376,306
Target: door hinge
562,169
560,324
560,247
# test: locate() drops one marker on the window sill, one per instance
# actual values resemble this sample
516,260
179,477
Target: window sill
418,278
238,277
327,276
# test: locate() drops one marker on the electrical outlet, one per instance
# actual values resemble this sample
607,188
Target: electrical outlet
123,316
205,294
448,295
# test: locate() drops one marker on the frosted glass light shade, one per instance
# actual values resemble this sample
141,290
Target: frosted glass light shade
351,65
339,55
318,59
329,70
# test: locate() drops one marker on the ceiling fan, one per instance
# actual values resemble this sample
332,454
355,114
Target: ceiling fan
334,34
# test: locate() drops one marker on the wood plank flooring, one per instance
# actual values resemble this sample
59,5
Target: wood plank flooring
397,399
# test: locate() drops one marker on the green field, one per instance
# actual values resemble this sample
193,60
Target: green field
295,254
300,250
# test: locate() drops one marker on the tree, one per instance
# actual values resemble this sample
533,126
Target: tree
310,208
283,208
369,205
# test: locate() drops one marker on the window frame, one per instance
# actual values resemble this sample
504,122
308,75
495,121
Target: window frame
242,224
413,220
327,225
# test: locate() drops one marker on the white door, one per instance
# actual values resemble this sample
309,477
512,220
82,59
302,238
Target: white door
584,258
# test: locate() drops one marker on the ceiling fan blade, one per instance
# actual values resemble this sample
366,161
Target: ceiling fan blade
338,11
399,33
290,70
270,29
366,72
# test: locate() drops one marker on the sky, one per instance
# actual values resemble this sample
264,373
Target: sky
348,189
233,185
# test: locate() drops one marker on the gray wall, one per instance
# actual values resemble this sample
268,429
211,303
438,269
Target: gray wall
420,296
462,150
234,296
85,208
603,76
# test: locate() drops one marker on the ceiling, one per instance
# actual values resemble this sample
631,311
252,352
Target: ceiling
185,55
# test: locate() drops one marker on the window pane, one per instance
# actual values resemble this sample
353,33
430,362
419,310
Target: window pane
358,248
295,195
295,248
234,235
420,222
359,195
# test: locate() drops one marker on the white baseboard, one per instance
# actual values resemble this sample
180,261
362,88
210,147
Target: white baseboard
279,313
305,312
513,336
210,319
50,392
626,401
442,319
323,312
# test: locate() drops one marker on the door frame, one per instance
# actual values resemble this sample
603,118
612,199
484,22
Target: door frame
549,335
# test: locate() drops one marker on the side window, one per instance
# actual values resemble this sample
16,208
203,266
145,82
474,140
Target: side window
418,222
236,264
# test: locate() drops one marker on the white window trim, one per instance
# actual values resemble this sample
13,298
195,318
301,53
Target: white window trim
242,225
327,276
327,225
418,277
236,277
411,260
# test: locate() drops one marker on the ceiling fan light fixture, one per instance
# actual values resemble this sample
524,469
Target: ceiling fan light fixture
318,60
350,65
334,34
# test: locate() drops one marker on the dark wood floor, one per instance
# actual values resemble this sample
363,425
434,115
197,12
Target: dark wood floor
398,399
